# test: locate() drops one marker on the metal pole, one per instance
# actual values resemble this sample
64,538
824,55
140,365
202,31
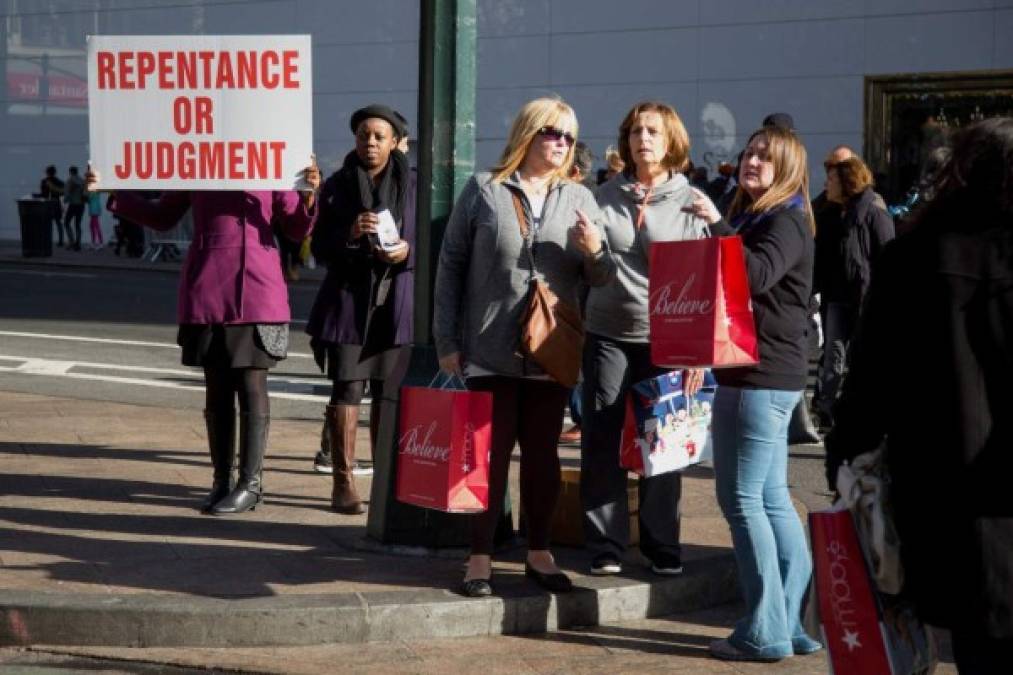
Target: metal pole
446,161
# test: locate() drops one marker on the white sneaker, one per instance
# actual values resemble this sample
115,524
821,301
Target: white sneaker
362,469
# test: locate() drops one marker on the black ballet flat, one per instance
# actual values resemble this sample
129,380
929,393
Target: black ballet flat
556,582
476,588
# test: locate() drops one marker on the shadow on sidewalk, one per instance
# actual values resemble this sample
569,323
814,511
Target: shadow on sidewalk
61,451
636,641
198,555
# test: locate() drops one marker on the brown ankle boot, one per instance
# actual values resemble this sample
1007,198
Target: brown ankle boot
343,421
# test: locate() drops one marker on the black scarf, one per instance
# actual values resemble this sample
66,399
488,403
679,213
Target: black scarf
364,195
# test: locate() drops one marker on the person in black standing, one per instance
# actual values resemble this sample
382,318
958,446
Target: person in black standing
73,197
843,268
361,322
51,189
938,318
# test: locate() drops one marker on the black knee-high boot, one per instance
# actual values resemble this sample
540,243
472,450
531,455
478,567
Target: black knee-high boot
222,446
252,444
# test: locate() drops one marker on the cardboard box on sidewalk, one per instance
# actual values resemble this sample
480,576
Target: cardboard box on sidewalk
567,524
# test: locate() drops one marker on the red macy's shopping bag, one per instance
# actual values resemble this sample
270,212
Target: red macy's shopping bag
443,449
700,311
848,610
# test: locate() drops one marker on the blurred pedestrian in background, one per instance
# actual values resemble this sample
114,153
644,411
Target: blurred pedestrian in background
844,266
73,197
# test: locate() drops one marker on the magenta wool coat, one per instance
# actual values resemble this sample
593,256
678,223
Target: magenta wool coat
232,271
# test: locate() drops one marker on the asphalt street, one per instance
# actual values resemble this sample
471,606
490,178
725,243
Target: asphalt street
111,335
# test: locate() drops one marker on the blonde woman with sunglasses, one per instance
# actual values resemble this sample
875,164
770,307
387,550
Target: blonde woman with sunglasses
486,261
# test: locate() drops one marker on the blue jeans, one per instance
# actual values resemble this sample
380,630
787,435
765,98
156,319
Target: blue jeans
751,470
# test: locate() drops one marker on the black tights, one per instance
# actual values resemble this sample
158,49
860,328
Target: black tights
224,384
350,392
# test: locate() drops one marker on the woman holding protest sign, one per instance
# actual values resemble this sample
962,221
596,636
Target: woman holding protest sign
361,322
233,314
753,404
641,205
523,221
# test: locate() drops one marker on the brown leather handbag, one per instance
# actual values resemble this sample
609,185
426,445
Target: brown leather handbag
552,331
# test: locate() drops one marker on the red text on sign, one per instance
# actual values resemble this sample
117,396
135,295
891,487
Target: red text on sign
203,160
241,69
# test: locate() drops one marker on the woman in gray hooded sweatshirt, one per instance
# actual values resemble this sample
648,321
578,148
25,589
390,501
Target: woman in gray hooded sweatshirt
482,288
641,205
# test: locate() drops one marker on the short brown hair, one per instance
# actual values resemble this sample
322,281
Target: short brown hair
676,154
854,175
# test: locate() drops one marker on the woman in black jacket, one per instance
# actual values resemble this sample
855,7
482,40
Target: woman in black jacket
361,321
753,404
939,318
843,268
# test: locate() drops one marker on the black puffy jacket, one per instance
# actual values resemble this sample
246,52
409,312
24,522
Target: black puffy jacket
846,248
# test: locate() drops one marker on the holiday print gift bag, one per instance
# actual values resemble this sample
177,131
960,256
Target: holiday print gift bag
701,315
443,449
664,429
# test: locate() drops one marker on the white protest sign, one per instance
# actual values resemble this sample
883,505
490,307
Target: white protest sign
231,112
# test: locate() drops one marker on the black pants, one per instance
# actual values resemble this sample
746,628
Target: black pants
75,212
611,367
977,654
55,215
528,413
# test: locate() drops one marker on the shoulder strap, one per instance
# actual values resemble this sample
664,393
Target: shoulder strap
522,220
522,217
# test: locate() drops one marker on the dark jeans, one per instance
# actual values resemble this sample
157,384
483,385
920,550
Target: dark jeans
611,367
528,413
838,325
976,654
576,403
56,216
75,212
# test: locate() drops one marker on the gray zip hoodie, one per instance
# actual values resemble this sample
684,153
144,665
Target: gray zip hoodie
482,278
619,310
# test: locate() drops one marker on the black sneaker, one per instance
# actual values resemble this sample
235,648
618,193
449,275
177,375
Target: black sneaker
666,565
606,565
322,462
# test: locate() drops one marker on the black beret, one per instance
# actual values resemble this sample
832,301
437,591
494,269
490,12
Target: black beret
779,120
382,112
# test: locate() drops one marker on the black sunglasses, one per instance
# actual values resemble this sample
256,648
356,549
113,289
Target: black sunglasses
556,134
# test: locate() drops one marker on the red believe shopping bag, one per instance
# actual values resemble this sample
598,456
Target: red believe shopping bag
700,310
443,449
848,609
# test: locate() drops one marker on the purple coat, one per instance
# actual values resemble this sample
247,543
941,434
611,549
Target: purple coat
342,305
232,271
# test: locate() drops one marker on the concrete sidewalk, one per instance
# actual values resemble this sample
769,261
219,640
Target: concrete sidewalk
101,544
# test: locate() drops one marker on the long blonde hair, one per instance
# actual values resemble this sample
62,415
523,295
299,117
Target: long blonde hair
541,112
791,175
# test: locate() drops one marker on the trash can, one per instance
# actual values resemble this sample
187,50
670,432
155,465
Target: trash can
36,227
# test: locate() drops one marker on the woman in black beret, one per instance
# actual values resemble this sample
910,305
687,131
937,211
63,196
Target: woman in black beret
362,318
